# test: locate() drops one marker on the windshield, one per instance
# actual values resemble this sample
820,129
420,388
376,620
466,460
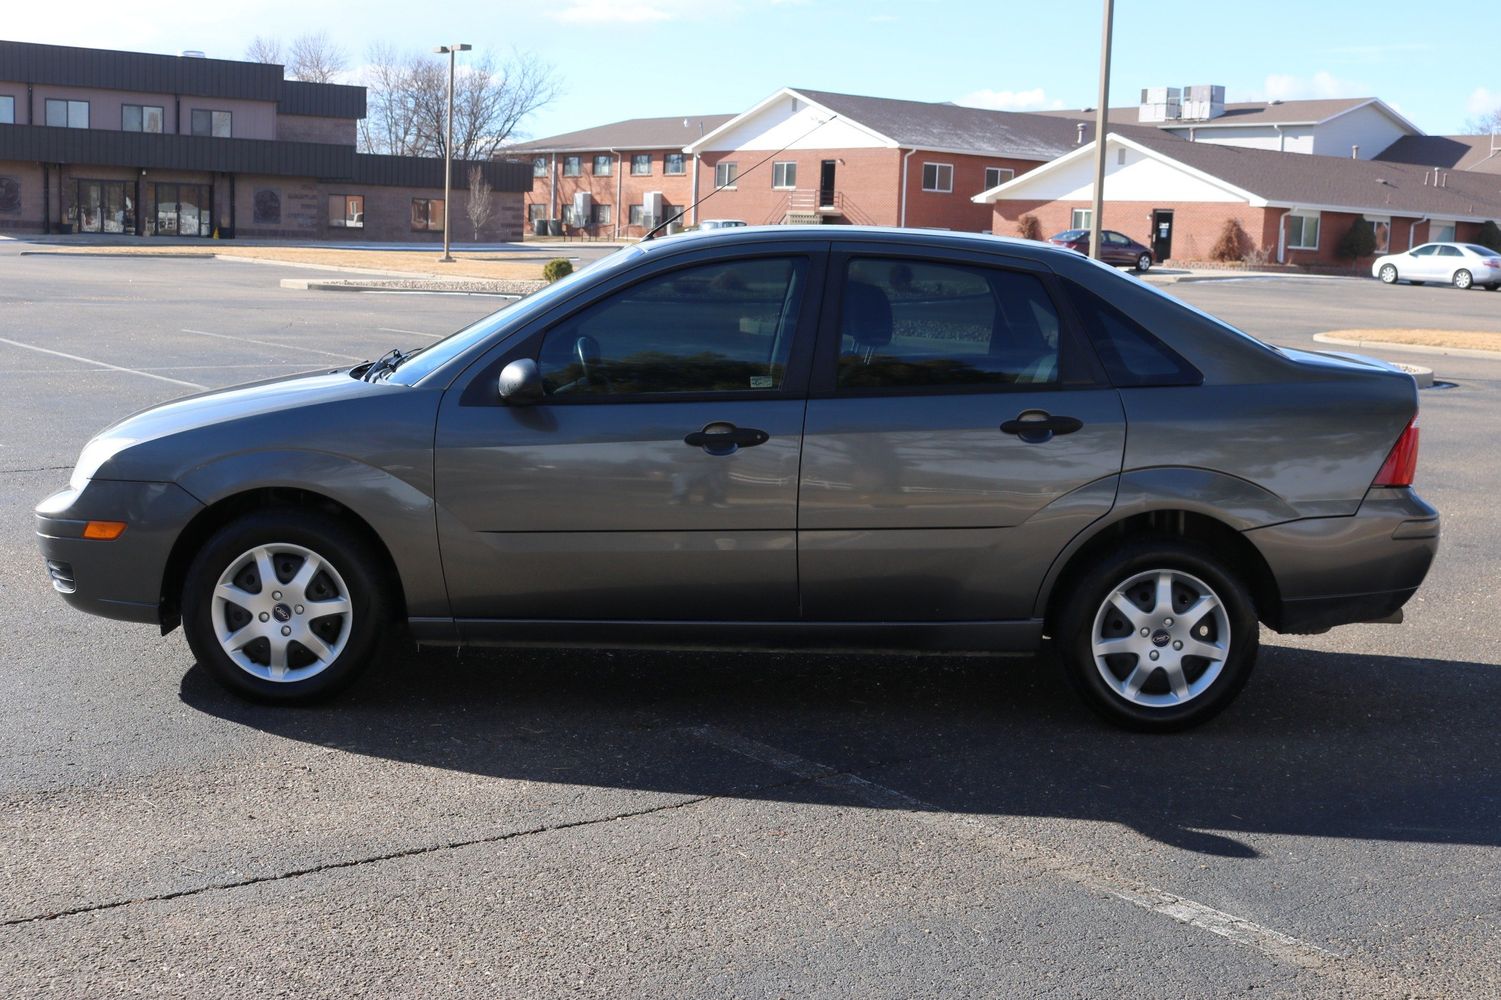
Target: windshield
420,364
1071,234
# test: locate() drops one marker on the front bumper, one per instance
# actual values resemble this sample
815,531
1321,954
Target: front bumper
1340,570
121,578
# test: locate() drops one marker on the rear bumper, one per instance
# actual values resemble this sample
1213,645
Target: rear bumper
122,578
1340,570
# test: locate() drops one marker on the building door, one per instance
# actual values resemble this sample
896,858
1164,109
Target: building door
184,210
826,184
1162,234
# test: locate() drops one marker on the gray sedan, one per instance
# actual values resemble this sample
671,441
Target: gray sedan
776,437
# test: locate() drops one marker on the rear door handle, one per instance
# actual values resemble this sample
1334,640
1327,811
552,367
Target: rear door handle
725,438
1037,426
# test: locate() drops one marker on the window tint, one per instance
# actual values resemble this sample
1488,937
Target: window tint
1482,251
1449,252
915,324
1130,354
721,327
1424,251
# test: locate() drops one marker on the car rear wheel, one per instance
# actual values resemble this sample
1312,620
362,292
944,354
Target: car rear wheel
284,605
1158,635
1144,262
1463,278
1389,274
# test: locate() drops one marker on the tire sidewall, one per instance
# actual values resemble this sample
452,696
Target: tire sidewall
1074,638
332,540
1143,263
1469,279
1389,274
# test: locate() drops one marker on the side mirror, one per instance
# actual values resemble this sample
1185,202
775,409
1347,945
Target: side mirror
521,383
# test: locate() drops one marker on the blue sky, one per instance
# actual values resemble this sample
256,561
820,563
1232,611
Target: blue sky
629,58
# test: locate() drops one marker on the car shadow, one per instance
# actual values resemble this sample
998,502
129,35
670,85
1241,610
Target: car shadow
1322,744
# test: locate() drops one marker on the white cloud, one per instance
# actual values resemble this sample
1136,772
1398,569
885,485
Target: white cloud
1323,84
1482,101
626,11
1008,100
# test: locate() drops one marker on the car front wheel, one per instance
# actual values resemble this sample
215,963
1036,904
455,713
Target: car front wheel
1463,278
1388,274
1144,262
285,605
1158,635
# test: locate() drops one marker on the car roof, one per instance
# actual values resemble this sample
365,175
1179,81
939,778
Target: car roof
984,242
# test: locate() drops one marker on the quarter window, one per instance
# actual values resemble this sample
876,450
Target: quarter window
1131,355
672,163
66,114
140,118
214,123
427,214
724,327
920,324
784,174
1302,232
347,211
938,177
572,166
996,176
640,164
725,174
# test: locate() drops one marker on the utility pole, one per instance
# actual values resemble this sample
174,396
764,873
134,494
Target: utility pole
1101,122
451,51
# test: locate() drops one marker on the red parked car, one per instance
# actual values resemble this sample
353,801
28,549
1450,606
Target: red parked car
1115,248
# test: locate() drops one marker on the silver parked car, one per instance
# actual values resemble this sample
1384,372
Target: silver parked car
776,437
1459,264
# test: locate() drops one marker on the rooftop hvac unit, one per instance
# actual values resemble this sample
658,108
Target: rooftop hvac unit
1160,104
1203,101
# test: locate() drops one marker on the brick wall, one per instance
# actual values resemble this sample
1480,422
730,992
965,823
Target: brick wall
388,216
619,189
20,183
954,210
307,128
866,180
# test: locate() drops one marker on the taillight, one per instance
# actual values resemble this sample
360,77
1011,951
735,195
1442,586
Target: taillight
1402,463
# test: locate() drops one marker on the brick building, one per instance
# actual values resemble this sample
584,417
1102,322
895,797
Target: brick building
1176,195
99,141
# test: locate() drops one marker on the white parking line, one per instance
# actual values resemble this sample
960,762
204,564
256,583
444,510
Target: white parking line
102,364
272,343
1272,943
415,333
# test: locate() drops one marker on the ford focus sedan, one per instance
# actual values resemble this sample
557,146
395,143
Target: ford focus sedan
776,437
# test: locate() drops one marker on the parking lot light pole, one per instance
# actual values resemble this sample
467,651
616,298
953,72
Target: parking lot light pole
450,51
1101,121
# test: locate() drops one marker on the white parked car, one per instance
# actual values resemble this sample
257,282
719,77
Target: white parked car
1458,264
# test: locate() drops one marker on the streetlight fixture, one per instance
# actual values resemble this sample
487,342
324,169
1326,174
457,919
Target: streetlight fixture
451,51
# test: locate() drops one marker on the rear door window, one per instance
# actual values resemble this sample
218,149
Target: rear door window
926,324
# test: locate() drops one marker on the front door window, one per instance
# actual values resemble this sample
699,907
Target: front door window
104,206
184,210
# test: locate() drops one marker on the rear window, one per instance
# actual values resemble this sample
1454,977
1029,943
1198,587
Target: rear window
1069,235
1482,251
1130,354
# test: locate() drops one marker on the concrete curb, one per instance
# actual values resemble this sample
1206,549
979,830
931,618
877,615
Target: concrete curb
172,255
1386,345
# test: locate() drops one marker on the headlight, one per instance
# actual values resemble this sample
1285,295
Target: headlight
95,454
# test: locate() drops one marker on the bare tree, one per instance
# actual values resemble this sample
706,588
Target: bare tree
314,58
480,207
407,102
264,49
1484,124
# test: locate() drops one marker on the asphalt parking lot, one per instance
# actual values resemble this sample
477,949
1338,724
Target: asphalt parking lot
746,825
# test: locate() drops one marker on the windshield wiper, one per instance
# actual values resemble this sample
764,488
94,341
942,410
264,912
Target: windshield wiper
387,362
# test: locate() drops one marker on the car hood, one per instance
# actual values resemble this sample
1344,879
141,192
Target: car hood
217,407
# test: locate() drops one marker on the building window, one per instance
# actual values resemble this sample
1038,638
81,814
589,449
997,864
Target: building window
1381,228
637,215
184,210
427,214
1302,232
996,176
938,177
640,164
67,114
1441,232
214,123
140,118
784,174
725,174
347,211
604,165
604,215
539,166
536,211
7,110
1081,218
573,166
672,163
104,206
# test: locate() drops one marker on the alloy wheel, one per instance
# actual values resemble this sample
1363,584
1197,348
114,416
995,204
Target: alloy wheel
281,612
1160,638
1389,274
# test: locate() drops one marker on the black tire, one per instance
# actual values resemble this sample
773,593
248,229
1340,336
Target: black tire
1463,279
357,570
1417,282
1144,262
1074,636
1388,274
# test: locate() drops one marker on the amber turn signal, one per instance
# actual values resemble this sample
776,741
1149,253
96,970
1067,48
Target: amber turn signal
104,531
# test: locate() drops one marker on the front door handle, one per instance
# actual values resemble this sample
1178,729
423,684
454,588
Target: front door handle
725,438
1037,426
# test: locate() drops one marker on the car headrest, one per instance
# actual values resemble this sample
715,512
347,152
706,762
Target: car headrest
867,315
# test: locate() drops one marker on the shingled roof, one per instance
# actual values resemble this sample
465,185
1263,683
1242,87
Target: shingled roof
1243,113
673,132
1452,152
